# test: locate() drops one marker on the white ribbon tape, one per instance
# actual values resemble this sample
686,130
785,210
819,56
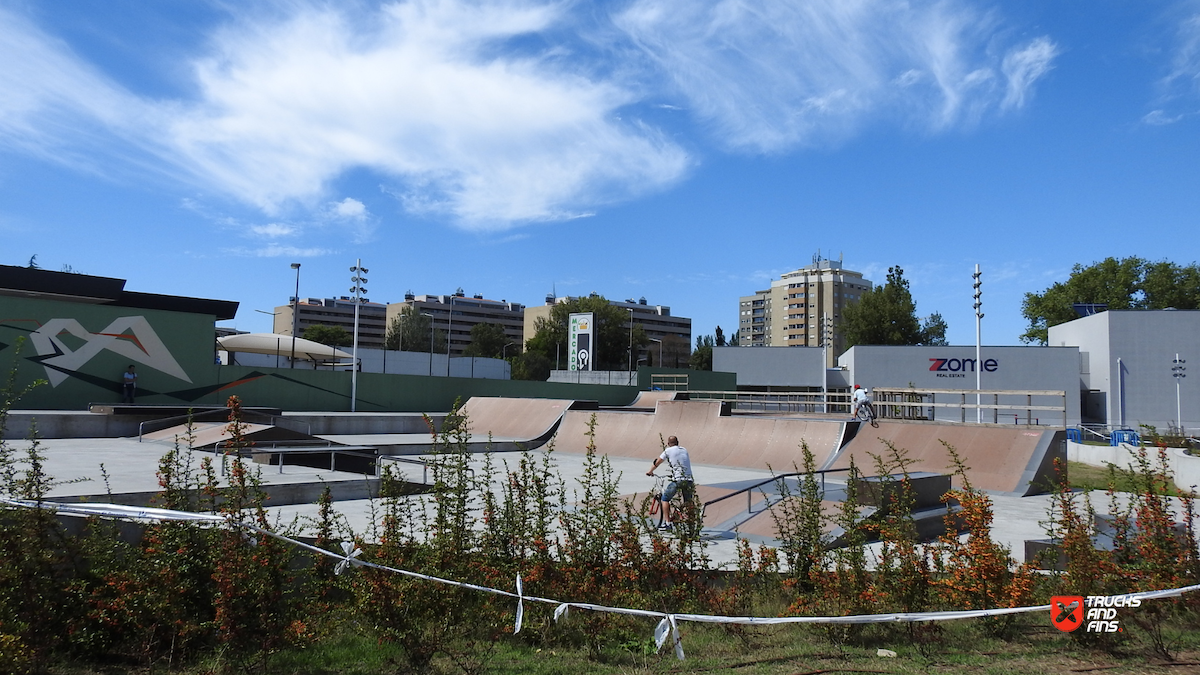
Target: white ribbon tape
668,623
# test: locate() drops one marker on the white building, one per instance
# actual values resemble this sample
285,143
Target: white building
1125,366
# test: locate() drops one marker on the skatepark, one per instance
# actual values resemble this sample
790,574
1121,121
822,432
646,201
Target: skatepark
734,456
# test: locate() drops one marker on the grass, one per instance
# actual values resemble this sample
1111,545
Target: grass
1033,646
1088,477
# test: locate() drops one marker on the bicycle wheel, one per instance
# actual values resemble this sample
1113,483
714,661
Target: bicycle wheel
656,511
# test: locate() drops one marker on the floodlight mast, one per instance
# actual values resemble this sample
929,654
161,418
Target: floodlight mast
978,345
1177,371
358,280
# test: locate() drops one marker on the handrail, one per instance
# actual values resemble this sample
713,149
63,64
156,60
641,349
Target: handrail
773,479
331,449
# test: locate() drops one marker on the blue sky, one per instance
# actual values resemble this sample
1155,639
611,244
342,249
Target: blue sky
686,152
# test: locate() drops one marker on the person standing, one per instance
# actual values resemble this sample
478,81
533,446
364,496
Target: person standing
680,464
129,383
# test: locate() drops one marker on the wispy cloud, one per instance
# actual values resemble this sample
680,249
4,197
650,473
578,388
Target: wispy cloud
495,113
273,230
771,76
422,92
1180,88
277,251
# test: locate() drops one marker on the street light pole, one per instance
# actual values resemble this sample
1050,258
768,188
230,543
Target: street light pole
358,280
630,310
449,328
295,314
430,341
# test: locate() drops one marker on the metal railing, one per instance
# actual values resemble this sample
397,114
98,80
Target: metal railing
790,401
923,404
273,449
774,479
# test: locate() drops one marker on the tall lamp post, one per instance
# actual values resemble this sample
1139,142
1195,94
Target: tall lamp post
449,327
1177,372
430,341
295,314
630,310
978,345
358,280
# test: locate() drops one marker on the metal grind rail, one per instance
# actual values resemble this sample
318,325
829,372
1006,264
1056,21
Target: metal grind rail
748,490
273,448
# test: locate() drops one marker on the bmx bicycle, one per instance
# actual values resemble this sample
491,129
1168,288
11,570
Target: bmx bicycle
682,511
866,413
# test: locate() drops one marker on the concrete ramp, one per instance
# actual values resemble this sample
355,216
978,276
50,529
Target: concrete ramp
208,434
647,400
1018,459
711,435
528,421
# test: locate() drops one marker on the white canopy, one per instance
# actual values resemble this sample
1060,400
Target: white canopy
280,345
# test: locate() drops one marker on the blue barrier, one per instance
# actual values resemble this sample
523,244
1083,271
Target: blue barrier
1075,435
1120,436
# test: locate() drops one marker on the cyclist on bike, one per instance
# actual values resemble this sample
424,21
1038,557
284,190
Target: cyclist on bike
676,457
860,398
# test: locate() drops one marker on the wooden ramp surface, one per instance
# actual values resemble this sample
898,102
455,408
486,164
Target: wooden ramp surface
710,437
528,420
1016,459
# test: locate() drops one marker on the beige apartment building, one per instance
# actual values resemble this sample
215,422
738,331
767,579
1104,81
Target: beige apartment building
656,320
801,308
372,324
456,314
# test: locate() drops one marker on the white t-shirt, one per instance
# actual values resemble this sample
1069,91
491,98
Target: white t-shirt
676,457
861,396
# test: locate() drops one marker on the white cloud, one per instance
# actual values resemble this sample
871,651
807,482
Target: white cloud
349,209
768,76
278,251
1025,66
1160,118
273,230
423,92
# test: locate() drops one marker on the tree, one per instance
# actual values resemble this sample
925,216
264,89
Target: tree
409,331
332,336
934,330
1127,283
531,366
720,337
611,333
887,315
676,352
702,355
487,341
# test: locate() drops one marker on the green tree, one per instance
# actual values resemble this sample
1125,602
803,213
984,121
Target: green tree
611,331
702,355
720,337
531,366
409,331
333,336
1126,283
676,352
487,341
934,330
887,315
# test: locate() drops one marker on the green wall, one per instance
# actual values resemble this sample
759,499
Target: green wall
85,349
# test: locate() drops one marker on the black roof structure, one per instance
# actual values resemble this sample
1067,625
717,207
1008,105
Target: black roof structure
30,282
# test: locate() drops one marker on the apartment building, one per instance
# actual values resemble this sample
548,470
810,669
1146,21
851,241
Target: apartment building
372,318
456,314
801,308
656,320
